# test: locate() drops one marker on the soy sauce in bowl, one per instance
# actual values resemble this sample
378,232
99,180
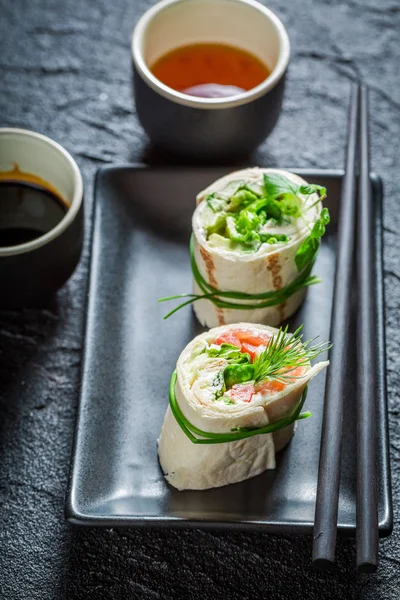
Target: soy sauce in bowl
29,208
210,70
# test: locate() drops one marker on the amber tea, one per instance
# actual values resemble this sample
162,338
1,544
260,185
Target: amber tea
210,70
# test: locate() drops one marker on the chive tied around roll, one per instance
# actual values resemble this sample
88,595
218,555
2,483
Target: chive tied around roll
235,397
256,235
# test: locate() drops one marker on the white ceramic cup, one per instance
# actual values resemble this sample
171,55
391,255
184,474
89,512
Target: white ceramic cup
209,127
34,270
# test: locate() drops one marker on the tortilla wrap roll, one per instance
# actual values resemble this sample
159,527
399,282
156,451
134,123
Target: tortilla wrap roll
239,247
205,394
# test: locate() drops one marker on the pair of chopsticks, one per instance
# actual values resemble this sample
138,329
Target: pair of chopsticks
355,233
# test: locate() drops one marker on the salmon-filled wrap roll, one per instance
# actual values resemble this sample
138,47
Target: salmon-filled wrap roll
255,237
234,399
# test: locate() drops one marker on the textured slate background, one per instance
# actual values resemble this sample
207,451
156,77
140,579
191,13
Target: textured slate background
65,72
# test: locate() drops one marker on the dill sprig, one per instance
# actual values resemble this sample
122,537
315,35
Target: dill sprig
285,353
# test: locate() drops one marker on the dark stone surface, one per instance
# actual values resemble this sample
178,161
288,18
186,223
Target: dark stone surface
65,71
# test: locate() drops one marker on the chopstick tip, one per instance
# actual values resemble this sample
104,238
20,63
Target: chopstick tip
323,564
367,567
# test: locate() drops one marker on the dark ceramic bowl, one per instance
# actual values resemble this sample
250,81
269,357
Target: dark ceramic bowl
209,128
31,272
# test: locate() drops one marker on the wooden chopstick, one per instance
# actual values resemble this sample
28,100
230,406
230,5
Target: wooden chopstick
326,512
367,489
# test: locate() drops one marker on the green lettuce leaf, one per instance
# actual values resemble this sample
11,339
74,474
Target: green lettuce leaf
230,353
238,374
309,248
240,200
217,225
276,185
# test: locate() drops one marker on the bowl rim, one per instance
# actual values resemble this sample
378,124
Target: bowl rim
75,205
263,88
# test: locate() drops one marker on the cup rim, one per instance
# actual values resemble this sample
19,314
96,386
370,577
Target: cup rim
209,103
72,211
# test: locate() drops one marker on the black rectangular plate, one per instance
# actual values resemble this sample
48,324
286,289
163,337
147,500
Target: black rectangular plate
140,253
